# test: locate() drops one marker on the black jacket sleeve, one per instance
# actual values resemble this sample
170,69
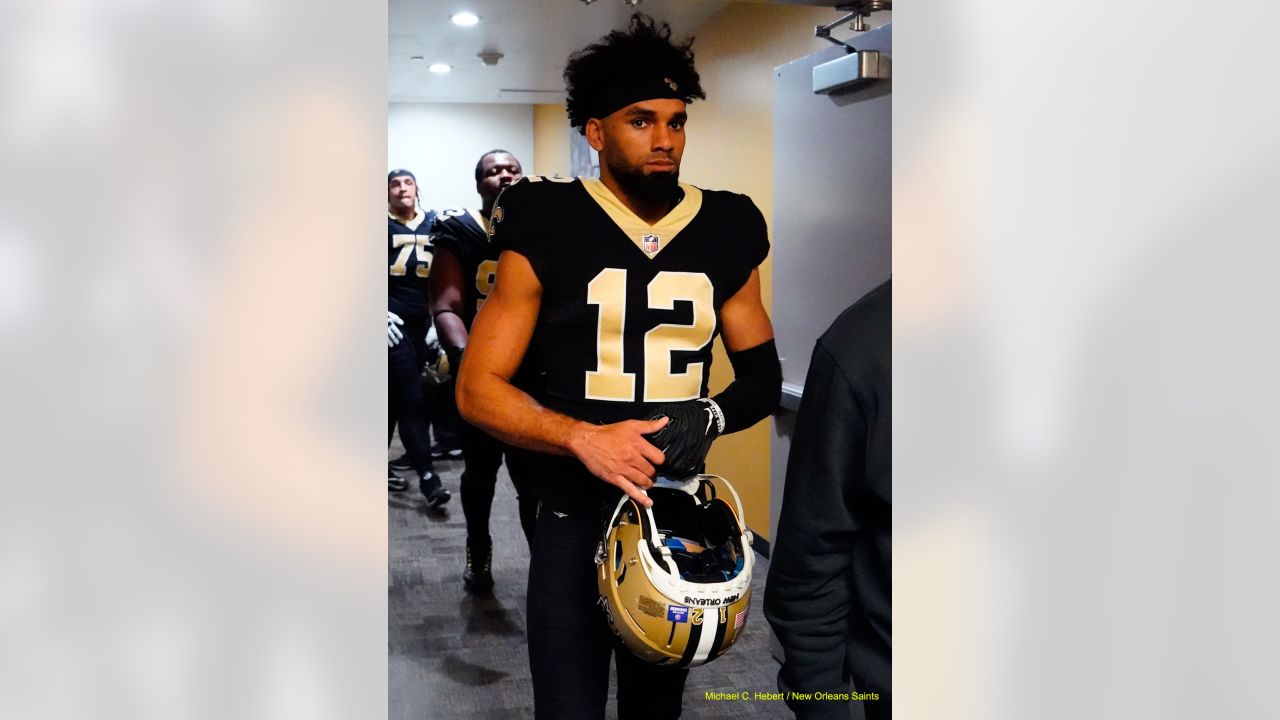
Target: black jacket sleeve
829,591
809,590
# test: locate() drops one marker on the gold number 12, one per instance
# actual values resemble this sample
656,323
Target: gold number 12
608,381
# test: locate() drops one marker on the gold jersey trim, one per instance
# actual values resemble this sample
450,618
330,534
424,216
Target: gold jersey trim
418,217
480,220
665,230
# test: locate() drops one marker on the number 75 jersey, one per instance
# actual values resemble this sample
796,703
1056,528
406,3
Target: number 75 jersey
409,266
629,310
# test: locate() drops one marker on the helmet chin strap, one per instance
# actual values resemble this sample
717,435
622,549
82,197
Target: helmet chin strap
660,545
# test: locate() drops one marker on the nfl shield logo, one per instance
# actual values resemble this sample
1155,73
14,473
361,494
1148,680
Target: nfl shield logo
650,244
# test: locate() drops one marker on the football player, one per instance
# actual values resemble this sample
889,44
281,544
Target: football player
409,248
462,277
616,289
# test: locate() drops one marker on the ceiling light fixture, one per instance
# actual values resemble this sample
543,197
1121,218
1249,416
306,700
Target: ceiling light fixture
465,19
440,68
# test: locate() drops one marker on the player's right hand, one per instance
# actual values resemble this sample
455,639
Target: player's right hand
620,455
394,335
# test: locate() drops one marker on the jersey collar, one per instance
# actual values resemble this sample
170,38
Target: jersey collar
480,220
418,217
649,239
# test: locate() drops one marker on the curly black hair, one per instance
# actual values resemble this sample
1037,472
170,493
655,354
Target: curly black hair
642,57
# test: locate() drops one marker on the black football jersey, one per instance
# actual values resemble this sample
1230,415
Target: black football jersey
629,311
466,234
409,245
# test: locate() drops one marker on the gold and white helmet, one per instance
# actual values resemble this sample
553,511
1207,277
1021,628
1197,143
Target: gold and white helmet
675,579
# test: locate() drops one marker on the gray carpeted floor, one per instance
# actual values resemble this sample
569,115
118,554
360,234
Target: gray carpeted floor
456,656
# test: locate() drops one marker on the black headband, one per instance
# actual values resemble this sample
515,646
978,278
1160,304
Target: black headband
633,90
401,173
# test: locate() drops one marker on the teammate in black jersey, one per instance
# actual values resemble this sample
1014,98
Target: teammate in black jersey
461,279
616,288
409,248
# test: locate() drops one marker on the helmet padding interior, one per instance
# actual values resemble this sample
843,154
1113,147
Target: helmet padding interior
703,537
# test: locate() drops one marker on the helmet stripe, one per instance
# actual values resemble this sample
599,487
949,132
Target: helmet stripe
720,628
709,635
691,646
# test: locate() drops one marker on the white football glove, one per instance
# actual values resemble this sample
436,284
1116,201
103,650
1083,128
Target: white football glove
394,335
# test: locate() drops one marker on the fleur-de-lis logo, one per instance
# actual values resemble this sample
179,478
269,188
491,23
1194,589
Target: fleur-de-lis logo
494,219
671,84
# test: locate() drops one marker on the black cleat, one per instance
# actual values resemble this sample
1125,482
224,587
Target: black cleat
433,490
478,575
396,484
401,463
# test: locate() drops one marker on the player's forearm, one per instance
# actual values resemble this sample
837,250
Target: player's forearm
504,411
451,330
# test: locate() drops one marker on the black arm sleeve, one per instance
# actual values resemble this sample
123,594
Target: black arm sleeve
756,388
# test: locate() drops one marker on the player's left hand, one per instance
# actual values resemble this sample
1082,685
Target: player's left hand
687,437
394,334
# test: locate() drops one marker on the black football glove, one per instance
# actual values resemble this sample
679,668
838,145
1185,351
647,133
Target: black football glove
687,437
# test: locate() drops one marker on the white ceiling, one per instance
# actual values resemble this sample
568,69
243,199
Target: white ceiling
536,36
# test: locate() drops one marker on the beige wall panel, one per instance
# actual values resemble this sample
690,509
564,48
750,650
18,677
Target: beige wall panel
730,147
550,141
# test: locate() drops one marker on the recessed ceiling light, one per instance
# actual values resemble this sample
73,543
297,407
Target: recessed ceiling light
440,68
465,19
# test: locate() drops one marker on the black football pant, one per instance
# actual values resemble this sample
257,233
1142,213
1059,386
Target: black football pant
569,640
443,417
482,455
406,403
